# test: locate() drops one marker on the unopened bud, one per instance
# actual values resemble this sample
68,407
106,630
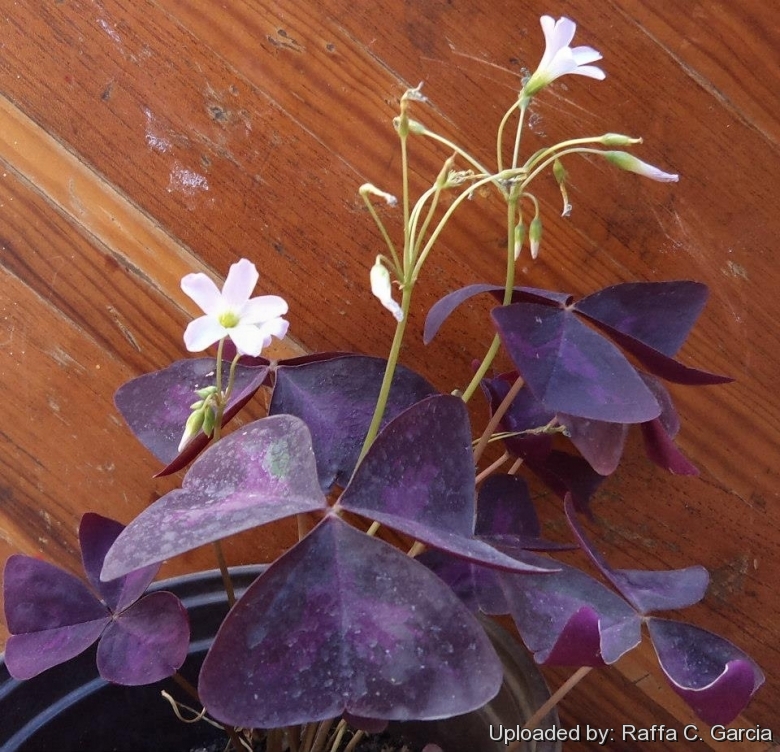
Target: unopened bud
382,289
618,139
519,238
535,235
629,162
191,428
370,189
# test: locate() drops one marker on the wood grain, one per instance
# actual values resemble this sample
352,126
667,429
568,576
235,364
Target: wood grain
143,140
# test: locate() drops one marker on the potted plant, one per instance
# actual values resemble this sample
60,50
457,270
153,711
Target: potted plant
346,629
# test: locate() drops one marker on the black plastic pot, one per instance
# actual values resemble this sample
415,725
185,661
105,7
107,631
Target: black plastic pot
71,709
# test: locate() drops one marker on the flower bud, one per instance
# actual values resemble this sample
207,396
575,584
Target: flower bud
209,419
370,189
629,162
382,289
618,139
519,238
191,428
535,235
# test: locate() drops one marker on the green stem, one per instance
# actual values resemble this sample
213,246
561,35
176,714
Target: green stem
387,380
509,284
521,119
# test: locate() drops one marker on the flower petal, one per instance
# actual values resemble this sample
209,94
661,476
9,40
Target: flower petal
248,339
202,333
584,55
274,328
591,71
240,283
262,309
203,291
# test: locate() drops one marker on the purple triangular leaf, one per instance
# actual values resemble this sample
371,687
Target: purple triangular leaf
646,590
556,615
711,674
506,518
442,308
52,616
96,535
504,507
262,472
40,596
600,443
156,405
668,417
336,399
661,449
27,655
659,314
478,587
145,643
415,481
566,474
525,413
659,433
662,365
571,368
345,622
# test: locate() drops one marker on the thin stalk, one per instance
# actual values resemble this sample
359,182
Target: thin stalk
186,686
226,581
559,694
387,380
322,735
509,283
540,167
500,135
496,418
459,150
355,741
340,730
492,468
484,367
506,175
416,549
521,119
516,465
382,230
308,737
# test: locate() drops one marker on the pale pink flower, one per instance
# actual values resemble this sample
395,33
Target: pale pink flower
249,322
559,58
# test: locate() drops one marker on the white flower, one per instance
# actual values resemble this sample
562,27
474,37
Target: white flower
559,58
382,289
249,322
629,162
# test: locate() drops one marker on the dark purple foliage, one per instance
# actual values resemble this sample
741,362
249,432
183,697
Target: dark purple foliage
156,405
262,472
570,368
568,618
53,616
415,482
442,308
711,674
336,399
646,591
345,622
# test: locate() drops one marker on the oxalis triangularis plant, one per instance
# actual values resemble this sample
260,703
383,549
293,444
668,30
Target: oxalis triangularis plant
343,627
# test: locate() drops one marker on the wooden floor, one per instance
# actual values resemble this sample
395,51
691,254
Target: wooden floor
144,139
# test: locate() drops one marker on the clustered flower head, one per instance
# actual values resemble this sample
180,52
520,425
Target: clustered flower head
249,322
559,58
